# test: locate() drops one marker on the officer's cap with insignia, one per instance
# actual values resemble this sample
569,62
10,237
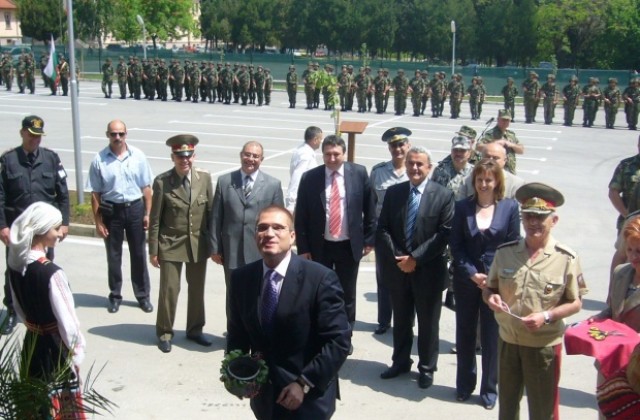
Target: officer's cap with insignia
183,144
467,131
539,198
34,124
396,134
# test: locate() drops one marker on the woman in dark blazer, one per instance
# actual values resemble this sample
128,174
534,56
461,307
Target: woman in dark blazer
481,224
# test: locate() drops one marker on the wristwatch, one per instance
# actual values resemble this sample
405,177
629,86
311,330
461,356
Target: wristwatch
547,317
305,386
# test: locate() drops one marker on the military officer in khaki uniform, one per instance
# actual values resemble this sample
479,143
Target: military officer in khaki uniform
181,204
533,284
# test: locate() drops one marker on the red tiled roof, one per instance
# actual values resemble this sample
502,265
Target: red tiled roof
7,4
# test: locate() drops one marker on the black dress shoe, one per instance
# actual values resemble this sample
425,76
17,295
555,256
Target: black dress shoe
164,346
114,305
463,396
381,329
200,339
350,349
425,380
9,323
396,370
146,306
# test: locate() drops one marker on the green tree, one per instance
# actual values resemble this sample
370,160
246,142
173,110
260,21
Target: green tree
40,19
92,19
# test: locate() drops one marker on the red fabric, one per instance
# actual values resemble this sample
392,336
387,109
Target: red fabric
335,217
612,353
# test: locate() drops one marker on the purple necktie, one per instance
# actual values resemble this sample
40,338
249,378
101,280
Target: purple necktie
269,301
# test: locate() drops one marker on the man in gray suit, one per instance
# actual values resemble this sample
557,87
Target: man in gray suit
239,197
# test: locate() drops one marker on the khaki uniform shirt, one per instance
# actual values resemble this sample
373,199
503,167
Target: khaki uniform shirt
553,278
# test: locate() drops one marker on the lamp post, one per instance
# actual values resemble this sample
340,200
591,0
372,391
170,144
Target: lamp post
144,35
453,48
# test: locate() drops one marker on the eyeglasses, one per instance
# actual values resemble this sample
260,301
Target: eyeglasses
251,155
277,229
117,133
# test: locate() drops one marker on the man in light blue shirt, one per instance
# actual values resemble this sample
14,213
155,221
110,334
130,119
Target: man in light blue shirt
120,184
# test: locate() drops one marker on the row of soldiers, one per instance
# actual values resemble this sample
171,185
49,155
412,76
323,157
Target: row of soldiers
24,72
611,98
203,81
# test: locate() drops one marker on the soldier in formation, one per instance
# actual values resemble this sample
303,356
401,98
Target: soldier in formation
107,78
611,97
549,95
570,96
631,98
591,97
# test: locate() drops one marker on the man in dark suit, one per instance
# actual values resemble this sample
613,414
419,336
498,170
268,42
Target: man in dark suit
292,312
335,217
410,241
239,197
179,234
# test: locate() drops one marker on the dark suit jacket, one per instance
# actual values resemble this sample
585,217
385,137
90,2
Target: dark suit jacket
233,219
311,215
311,332
472,250
429,239
177,222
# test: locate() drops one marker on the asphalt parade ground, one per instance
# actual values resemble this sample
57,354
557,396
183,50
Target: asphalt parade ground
147,384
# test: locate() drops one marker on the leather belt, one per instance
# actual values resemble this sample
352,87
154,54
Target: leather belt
124,205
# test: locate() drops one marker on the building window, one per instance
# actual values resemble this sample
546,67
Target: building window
7,20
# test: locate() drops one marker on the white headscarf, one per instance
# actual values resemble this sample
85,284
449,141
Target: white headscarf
37,219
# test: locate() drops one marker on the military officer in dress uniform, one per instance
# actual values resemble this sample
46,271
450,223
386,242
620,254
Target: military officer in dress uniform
178,234
533,284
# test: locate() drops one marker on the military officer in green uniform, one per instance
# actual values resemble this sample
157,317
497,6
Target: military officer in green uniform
509,93
367,71
194,82
474,97
482,96
107,78
326,93
385,71
130,77
163,79
362,84
292,86
258,80
178,80
219,88
530,89
228,79
611,97
236,83
437,91
178,235
204,77
64,71
252,85
623,183
416,87
344,86
30,74
570,97
631,98
212,82
244,82
20,73
268,86
317,89
122,71
400,85
549,95
309,85
7,72
533,284
426,93
501,134
591,96
136,77
380,87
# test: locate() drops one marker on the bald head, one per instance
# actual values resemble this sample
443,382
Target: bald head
495,152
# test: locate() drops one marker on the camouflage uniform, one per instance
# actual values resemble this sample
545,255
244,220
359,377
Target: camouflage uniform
236,85
417,86
437,92
268,86
611,96
482,96
177,74
252,85
367,70
362,84
107,78
445,92
625,179
495,134
570,96
316,90
592,96
426,92
325,90
20,73
212,82
446,175
64,71
30,74
530,88
130,77
163,78
631,97
121,72
456,92
258,80
344,86
219,88
292,86
244,82
474,96
309,87
400,84
509,93
388,91
204,76
152,78
187,80
549,94
352,90
380,87
228,81
194,81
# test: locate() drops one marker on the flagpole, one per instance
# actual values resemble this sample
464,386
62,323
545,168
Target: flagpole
75,115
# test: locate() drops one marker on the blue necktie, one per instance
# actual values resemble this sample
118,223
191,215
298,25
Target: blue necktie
269,301
412,214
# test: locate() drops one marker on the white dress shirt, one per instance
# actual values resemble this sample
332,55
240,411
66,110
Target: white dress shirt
303,159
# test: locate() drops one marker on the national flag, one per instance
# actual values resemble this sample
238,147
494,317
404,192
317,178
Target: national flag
51,69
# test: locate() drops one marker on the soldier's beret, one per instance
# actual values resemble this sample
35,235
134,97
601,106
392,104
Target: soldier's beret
396,134
539,198
183,144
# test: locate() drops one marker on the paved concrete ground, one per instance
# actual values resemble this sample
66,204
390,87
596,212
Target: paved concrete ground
147,384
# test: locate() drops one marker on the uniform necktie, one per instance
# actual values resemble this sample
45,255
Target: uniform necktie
31,157
412,214
186,184
335,217
269,300
247,186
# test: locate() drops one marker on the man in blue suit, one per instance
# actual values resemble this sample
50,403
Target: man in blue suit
335,217
292,312
410,241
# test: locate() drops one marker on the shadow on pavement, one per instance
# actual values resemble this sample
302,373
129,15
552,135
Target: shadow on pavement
86,300
367,373
579,399
593,305
144,334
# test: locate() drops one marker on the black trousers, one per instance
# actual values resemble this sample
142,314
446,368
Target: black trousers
8,298
339,257
414,295
127,218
